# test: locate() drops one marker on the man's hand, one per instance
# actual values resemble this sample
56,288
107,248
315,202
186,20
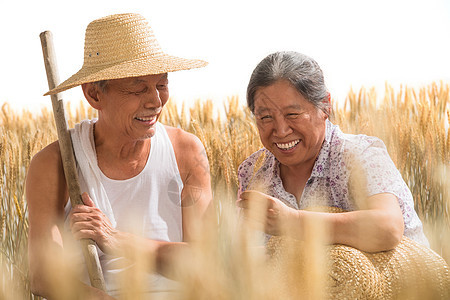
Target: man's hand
269,212
88,222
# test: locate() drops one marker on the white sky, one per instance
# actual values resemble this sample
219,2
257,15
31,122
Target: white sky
355,42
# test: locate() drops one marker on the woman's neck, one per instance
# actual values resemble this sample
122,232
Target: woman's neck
297,172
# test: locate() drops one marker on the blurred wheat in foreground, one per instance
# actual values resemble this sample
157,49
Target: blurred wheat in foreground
414,124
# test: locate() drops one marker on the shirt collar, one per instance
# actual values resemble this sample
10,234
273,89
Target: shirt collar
321,166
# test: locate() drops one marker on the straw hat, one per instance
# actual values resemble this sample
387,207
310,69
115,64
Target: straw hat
410,271
121,46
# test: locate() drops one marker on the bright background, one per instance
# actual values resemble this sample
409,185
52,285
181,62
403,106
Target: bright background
356,42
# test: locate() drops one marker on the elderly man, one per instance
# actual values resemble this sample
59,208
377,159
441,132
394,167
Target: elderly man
145,184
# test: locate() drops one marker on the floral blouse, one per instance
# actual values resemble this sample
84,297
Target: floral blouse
348,167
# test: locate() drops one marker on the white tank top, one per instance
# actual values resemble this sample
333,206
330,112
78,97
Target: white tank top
148,205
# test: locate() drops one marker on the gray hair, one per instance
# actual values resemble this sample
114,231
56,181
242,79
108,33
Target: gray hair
102,85
300,70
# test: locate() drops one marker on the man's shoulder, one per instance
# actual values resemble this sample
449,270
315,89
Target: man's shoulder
188,148
47,163
50,154
189,152
182,139
45,172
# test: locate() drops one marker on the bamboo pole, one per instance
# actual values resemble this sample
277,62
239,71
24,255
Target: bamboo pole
68,158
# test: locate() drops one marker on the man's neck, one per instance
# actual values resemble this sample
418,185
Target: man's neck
120,158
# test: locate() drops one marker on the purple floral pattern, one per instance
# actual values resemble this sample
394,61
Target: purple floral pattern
348,167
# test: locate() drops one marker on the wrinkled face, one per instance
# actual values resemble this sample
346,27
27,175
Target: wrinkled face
290,126
131,106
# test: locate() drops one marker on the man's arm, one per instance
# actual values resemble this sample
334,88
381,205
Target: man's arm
47,195
194,169
196,195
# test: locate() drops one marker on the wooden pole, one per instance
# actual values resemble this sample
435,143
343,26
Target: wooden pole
68,158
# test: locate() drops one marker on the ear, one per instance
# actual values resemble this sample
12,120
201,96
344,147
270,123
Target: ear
91,93
327,106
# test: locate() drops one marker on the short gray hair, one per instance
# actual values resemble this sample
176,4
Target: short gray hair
300,70
102,85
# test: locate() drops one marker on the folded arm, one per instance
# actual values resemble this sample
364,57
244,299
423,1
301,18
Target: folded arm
377,227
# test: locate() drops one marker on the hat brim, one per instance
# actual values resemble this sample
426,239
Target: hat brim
134,68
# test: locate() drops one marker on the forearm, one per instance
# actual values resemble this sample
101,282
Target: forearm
367,230
46,262
159,256
69,289
53,277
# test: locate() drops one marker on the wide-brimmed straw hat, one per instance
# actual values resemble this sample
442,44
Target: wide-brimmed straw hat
410,271
121,46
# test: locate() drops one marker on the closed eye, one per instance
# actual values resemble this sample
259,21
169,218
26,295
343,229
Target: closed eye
163,84
292,115
266,117
139,92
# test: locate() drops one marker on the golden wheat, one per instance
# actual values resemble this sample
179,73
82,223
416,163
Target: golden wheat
414,124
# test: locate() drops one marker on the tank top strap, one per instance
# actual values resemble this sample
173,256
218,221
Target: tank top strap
162,154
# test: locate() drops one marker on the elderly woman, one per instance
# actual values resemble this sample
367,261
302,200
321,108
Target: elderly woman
146,186
307,161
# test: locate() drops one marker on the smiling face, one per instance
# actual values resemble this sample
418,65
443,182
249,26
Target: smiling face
131,106
289,126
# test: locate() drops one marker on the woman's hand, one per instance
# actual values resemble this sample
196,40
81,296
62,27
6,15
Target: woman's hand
275,216
87,221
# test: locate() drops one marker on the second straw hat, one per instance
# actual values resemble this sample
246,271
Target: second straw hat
121,46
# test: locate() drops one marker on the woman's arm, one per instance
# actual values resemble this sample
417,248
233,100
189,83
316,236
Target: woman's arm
377,227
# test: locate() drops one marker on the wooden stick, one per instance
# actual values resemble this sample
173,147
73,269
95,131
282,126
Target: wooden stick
68,158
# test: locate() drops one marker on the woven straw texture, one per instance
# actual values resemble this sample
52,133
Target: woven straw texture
121,46
410,271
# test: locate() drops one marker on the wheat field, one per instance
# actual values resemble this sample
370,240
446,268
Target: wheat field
413,123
